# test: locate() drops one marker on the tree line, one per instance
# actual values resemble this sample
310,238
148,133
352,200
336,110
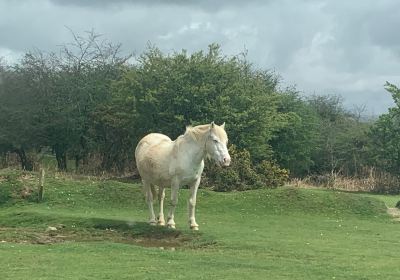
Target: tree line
90,104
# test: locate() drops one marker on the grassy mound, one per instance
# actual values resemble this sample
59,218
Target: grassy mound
80,209
86,193
85,208
96,229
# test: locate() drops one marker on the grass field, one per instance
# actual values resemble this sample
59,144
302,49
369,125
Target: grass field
283,233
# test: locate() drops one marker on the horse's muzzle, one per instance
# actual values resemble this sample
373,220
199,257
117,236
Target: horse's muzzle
226,161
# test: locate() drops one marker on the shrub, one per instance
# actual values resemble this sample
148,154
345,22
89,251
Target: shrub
17,186
271,174
386,183
368,180
242,174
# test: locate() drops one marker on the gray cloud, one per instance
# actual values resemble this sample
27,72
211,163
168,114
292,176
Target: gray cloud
344,47
207,5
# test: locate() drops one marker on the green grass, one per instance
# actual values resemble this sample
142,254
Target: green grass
389,200
283,233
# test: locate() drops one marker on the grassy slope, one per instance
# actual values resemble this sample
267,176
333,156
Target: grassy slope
266,234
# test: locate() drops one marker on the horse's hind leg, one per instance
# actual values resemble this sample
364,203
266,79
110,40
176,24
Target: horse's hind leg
161,196
149,200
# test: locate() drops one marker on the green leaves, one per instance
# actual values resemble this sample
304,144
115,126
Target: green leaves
243,174
384,146
173,91
89,104
395,91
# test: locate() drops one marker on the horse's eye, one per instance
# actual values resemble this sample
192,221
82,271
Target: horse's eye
215,140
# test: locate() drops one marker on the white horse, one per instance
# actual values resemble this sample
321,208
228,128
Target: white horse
162,162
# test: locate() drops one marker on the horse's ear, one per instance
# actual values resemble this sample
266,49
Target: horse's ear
223,125
212,124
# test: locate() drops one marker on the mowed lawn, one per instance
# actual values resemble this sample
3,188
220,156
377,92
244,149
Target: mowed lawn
282,233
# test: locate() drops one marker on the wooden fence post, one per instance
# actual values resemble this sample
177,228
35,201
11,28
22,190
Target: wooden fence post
41,185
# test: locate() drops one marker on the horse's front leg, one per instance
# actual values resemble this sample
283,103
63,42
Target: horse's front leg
192,204
173,203
161,196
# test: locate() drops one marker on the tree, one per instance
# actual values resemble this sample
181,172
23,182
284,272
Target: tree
384,147
18,115
294,143
169,92
341,137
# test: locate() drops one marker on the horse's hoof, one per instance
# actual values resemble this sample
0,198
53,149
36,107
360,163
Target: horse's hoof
194,228
161,223
152,223
171,226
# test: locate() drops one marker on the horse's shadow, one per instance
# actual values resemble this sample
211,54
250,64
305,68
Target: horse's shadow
141,233
136,229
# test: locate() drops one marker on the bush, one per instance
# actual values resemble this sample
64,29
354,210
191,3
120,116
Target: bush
271,174
386,183
368,180
242,174
17,186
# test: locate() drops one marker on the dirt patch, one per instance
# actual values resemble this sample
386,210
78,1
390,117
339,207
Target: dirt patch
159,238
28,235
26,192
395,213
26,177
2,179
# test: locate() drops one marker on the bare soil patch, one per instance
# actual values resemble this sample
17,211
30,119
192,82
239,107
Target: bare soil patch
395,213
160,239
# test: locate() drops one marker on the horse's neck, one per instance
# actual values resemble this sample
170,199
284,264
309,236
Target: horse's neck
192,150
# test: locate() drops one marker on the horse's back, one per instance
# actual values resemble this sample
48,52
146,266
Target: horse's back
153,156
151,140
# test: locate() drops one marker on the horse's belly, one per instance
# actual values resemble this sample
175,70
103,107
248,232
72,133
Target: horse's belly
154,173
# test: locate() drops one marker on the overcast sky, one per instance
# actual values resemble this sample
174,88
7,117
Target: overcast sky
324,47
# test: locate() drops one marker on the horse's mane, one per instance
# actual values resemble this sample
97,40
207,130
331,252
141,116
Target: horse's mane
197,132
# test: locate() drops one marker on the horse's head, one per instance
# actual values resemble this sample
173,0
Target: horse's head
216,145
